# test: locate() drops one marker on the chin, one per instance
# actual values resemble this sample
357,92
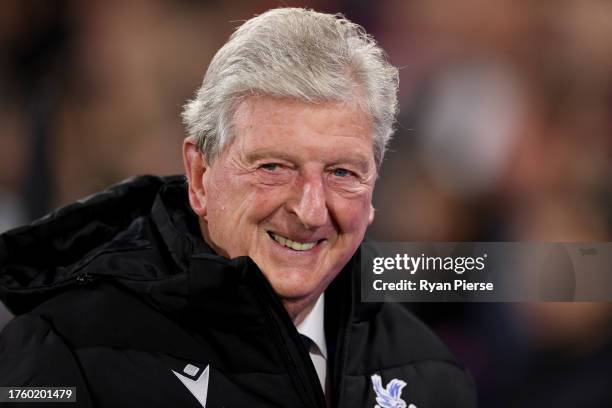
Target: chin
292,285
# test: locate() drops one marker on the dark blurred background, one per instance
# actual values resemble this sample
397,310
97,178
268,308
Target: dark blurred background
504,135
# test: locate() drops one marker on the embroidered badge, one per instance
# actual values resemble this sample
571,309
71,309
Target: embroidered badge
389,397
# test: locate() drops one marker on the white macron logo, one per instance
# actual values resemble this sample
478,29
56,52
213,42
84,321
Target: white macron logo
389,396
197,387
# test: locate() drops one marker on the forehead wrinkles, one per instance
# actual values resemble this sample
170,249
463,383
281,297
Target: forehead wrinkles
264,117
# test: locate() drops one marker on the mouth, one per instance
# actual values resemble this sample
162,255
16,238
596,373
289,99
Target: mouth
294,245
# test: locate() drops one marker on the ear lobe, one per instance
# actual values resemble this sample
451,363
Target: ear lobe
195,167
371,215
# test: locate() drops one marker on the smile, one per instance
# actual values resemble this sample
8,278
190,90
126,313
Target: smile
295,245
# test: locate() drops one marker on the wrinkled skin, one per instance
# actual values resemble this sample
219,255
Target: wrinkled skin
300,171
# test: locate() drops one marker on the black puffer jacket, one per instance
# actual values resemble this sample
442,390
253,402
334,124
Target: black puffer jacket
119,296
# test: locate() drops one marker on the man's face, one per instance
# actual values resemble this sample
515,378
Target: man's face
293,191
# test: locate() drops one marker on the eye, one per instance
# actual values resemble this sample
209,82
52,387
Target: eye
270,166
341,172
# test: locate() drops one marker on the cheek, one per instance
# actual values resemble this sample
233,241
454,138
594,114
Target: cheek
352,215
240,203
223,205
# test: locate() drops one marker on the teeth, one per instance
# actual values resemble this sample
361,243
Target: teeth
298,246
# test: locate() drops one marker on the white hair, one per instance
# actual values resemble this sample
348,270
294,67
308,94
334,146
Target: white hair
300,54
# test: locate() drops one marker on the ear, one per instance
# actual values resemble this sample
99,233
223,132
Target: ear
195,168
371,215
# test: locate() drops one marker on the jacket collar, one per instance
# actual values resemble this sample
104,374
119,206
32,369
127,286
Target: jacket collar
210,272
94,237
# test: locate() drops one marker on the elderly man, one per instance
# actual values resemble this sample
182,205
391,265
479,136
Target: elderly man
240,287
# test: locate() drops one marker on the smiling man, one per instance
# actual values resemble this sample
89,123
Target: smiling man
240,285
293,192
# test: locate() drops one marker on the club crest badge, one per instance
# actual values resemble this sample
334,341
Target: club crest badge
390,396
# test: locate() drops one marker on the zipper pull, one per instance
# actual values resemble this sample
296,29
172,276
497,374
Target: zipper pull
84,278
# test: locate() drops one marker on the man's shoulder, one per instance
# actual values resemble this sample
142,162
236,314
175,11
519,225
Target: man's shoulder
397,346
105,342
114,234
32,353
103,314
404,327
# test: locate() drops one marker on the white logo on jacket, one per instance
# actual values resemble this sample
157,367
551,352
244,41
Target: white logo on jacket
199,386
389,397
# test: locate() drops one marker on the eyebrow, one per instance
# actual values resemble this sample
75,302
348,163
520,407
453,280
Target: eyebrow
260,154
357,160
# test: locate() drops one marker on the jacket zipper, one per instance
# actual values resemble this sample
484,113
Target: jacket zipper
298,362
84,278
337,381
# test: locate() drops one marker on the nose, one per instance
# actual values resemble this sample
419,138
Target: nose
310,204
